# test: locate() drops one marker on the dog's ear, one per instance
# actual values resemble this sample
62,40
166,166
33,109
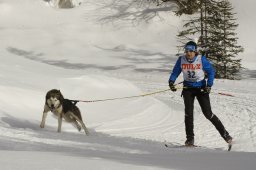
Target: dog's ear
47,95
61,96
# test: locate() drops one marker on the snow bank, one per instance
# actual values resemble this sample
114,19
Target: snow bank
29,80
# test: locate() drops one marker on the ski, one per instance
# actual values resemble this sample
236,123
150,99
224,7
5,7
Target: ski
180,146
190,146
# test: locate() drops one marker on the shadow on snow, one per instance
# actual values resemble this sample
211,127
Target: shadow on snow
28,136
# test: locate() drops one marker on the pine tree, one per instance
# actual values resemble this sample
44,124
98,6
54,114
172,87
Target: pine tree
185,6
197,24
215,26
223,41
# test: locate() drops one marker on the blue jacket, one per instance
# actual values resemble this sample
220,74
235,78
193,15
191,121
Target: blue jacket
207,67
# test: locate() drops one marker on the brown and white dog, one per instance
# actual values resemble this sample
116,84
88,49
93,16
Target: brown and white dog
62,108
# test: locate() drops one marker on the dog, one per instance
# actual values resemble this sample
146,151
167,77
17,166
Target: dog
62,108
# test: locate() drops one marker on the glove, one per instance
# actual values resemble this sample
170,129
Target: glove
207,89
172,87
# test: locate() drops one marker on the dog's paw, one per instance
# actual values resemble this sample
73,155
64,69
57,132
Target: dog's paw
87,133
41,125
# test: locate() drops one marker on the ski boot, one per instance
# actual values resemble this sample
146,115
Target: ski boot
229,139
189,142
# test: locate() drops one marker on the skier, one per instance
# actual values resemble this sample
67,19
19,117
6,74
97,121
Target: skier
194,67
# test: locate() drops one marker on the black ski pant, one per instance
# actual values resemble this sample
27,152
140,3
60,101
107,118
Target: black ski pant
204,102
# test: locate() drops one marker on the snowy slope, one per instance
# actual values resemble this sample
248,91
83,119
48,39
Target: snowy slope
108,49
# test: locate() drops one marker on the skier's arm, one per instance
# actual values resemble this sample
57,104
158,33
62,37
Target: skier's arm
176,71
208,68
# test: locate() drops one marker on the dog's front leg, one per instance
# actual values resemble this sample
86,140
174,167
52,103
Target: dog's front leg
59,122
46,110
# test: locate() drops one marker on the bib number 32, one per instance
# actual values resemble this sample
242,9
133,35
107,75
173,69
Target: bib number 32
191,74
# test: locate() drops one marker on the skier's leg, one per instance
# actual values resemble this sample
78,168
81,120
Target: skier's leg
189,98
204,101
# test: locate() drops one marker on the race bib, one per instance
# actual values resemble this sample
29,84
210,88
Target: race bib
192,72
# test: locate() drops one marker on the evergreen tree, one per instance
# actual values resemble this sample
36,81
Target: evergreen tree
185,6
197,25
223,41
215,26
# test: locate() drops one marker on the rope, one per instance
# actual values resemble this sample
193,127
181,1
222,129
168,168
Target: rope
225,94
119,98
128,97
219,93
142,95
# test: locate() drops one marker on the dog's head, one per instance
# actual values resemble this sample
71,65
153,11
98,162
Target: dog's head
54,99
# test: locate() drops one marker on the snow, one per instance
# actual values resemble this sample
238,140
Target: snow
110,49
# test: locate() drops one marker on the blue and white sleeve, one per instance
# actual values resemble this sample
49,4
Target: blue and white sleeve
208,68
